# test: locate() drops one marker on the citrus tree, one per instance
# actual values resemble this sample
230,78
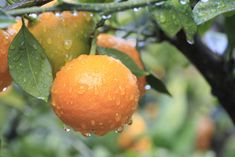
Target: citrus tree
66,53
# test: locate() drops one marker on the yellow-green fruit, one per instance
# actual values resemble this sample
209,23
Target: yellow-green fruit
64,36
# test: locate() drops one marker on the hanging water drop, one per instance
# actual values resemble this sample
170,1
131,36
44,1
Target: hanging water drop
86,134
130,121
58,14
67,129
75,13
120,129
204,1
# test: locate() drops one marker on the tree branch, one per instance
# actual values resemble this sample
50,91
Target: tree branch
213,68
107,8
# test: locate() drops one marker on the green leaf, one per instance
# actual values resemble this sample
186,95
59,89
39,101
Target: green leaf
172,16
5,20
124,58
204,11
29,66
157,84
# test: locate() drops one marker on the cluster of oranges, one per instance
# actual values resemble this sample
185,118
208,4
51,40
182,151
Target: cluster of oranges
91,93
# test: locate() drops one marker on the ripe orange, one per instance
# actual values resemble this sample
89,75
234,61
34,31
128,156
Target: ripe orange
5,78
95,94
133,137
63,37
109,41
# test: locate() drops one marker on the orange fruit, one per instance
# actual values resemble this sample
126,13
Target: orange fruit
133,137
95,94
5,78
109,41
205,131
63,37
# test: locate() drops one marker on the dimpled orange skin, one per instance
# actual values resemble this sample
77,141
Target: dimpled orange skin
5,41
63,37
109,41
95,94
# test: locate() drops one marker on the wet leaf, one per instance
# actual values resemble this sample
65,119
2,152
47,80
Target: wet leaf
204,11
124,58
29,66
172,16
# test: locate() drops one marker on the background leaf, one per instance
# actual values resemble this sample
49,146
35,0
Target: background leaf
29,66
204,11
125,59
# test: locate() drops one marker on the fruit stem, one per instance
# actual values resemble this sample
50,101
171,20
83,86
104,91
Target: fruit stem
108,8
93,44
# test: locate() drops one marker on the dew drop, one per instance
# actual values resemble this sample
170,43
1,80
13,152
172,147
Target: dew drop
136,9
117,117
191,42
183,2
204,1
68,44
33,15
105,17
119,130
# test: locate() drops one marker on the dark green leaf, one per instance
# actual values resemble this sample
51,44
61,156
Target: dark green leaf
29,66
157,84
5,20
124,58
173,16
204,11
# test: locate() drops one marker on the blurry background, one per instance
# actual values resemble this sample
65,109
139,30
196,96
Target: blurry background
190,123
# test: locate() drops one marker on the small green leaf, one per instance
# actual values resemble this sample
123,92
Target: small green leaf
29,66
157,84
204,11
5,20
124,58
172,16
